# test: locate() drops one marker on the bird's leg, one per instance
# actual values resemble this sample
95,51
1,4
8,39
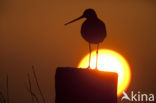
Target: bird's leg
97,56
89,55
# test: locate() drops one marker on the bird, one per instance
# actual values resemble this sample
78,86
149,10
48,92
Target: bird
93,30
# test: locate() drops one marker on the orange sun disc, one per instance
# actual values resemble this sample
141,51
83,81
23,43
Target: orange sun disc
109,60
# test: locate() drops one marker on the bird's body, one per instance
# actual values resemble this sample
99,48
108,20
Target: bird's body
93,30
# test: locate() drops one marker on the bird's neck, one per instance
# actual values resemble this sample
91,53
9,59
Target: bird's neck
92,18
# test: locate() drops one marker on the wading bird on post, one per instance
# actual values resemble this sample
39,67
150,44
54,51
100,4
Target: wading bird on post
93,30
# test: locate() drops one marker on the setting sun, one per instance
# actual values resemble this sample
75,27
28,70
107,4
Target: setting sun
109,60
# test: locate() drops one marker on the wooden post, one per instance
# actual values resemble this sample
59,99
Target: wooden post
75,85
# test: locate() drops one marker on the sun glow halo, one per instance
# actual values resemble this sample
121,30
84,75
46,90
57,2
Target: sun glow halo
109,60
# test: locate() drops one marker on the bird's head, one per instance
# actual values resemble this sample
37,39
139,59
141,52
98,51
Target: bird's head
88,13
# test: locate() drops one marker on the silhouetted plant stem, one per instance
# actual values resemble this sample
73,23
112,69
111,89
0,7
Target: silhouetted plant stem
33,69
33,95
30,89
7,88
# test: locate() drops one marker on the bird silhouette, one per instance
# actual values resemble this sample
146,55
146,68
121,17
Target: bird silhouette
93,30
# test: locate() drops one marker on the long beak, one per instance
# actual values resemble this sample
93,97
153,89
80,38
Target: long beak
74,20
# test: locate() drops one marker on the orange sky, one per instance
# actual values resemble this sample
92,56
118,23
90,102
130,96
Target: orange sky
33,32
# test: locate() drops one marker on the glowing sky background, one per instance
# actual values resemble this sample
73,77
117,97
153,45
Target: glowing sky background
32,32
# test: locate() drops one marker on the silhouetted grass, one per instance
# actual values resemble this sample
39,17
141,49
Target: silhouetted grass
33,95
7,88
36,80
2,98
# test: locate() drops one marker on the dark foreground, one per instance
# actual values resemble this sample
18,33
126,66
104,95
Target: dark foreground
74,85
